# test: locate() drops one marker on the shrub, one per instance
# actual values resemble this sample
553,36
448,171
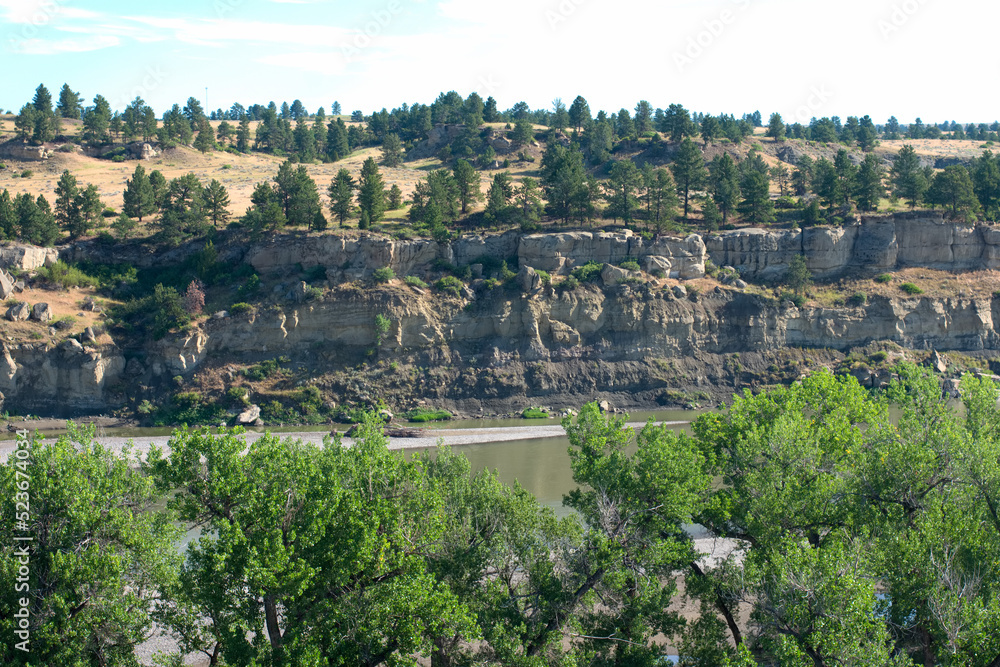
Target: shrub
589,272
427,415
534,413
262,371
383,275
630,265
883,278
450,285
857,299
570,283
60,273
911,289
240,308
413,281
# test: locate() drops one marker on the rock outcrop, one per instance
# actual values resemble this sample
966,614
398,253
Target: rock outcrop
875,244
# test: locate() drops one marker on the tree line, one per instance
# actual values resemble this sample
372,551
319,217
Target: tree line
860,538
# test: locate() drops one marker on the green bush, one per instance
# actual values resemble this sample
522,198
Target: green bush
427,415
66,276
240,308
413,281
883,278
534,413
262,371
857,299
450,285
630,265
911,289
383,275
589,272
570,283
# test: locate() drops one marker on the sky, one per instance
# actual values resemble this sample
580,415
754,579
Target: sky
801,58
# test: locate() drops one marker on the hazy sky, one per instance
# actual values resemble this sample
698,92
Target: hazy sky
802,58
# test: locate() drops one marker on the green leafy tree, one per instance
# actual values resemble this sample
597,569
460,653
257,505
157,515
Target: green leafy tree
689,170
99,554
341,193
314,545
371,191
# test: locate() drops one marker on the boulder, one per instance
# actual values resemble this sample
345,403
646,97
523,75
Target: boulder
6,285
936,363
528,279
18,312
654,263
249,416
613,275
41,312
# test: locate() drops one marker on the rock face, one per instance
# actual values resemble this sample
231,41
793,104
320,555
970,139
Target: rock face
17,150
64,381
876,244
26,257
352,259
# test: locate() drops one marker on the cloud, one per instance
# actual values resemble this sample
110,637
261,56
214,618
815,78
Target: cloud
215,31
40,12
321,62
48,47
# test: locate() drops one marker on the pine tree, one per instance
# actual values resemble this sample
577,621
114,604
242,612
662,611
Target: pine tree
341,194
392,151
908,180
243,136
371,191
953,188
756,205
724,184
870,186
776,128
216,203
467,180
70,103
624,179
689,170
139,198
205,141
96,121
67,213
